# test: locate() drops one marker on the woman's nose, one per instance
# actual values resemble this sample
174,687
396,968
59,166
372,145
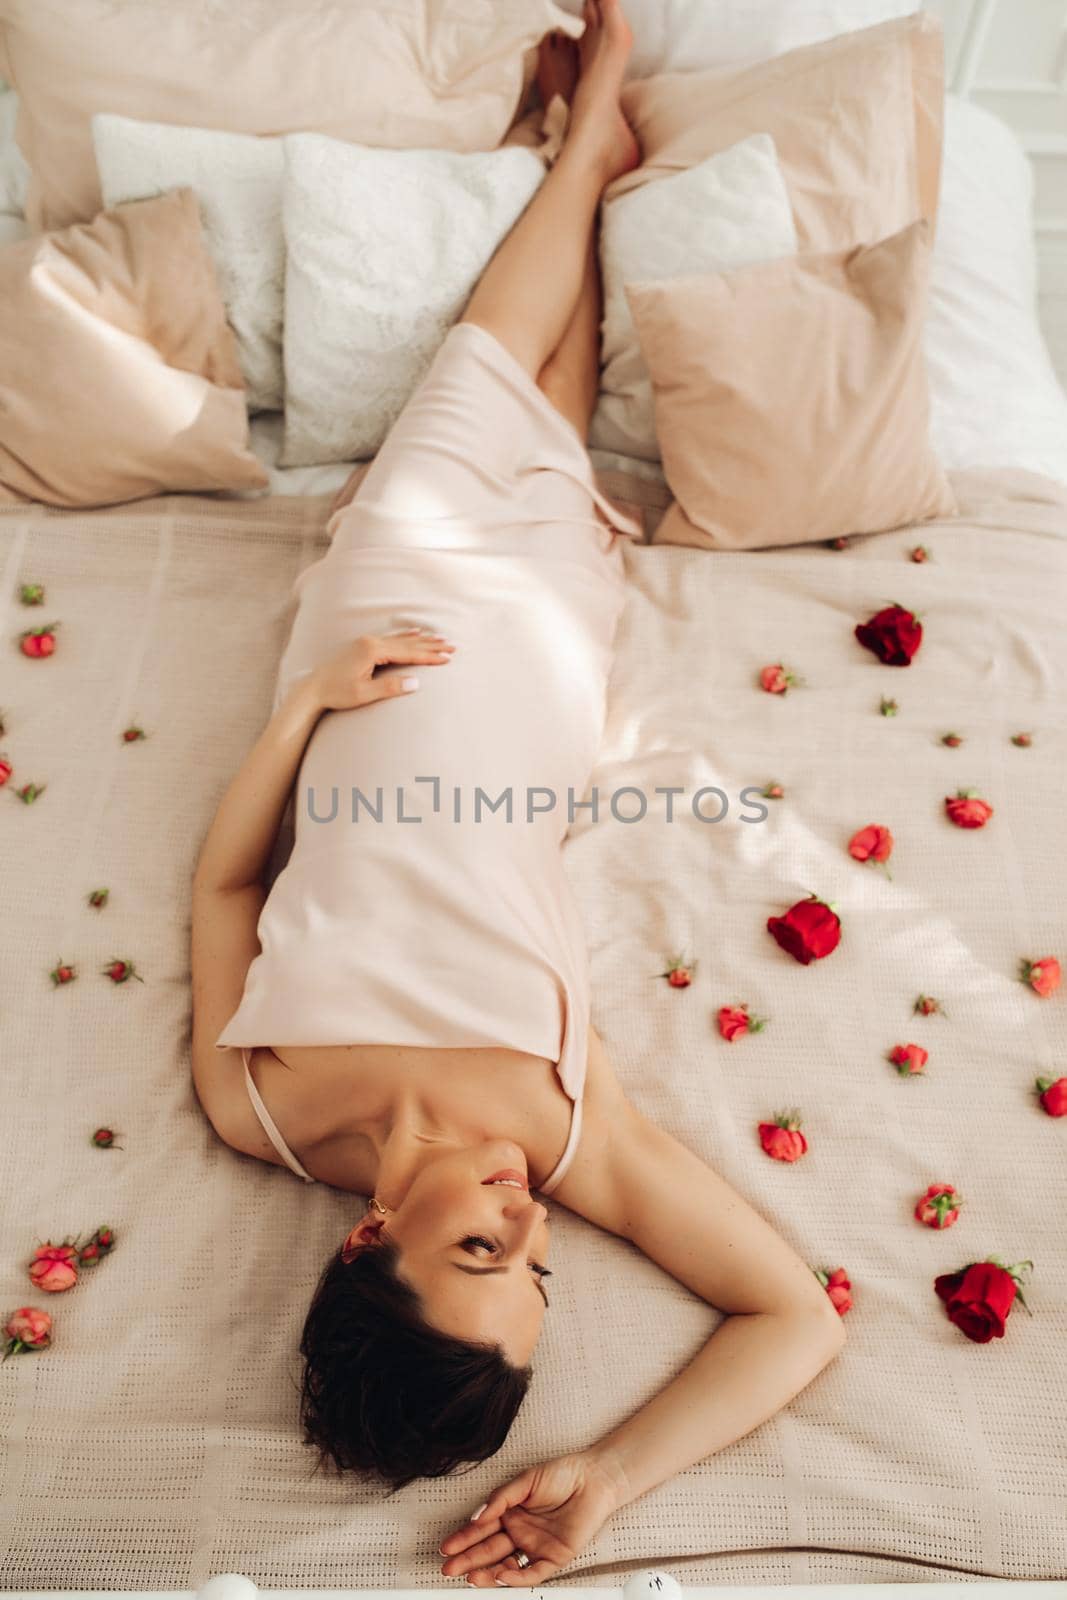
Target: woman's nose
526,1216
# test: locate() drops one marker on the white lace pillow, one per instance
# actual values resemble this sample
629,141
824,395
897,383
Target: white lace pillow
729,211
237,179
383,250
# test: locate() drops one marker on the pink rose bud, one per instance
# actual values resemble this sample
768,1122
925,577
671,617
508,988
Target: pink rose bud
105,1238
939,1206
966,810
62,973
54,1268
776,680
119,971
734,1022
782,1139
1022,741
89,1254
1043,976
103,1138
773,791
679,972
920,553
27,1329
952,740
838,1288
909,1059
927,1006
129,735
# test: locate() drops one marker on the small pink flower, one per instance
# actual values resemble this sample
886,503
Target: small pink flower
679,972
873,843
130,735
939,1206
734,1022
966,810
773,791
776,680
54,1267
1043,976
952,740
63,972
118,971
782,1139
27,1329
920,553
838,1287
1022,741
909,1059
927,1006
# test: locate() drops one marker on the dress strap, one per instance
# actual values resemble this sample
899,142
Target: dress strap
270,1127
565,1159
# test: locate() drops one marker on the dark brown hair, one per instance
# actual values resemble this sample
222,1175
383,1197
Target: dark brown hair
383,1392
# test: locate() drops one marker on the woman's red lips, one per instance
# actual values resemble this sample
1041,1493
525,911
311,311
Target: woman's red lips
508,1172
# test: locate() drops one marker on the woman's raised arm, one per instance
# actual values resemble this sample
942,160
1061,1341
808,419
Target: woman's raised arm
637,1181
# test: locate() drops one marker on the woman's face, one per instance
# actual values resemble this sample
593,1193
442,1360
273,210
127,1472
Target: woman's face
470,1247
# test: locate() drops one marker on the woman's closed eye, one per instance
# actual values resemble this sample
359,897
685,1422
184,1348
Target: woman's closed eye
495,1248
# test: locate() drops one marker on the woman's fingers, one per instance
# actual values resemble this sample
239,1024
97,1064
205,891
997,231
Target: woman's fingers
494,1547
429,650
513,1577
488,1518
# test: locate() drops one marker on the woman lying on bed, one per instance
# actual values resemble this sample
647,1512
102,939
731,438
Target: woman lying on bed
412,993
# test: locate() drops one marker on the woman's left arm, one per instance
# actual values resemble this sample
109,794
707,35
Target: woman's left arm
240,840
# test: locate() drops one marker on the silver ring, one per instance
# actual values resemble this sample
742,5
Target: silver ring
521,1558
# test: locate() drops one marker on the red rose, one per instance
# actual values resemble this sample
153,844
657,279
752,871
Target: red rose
103,1138
119,971
105,1238
953,740
926,1006
775,679
1043,976
773,791
6,770
64,972
873,843
966,811
129,735
1053,1095
782,1139
939,1206
54,1267
838,1287
979,1297
920,553
679,978
1022,741
98,898
894,634
36,642
809,930
29,792
734,1022
909,1059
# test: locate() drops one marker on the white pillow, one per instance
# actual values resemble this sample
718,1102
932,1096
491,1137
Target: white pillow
14,173
238,182
384,248
995,399
690,35
728,211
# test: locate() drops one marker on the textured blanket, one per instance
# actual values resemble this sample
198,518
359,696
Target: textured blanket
155,1442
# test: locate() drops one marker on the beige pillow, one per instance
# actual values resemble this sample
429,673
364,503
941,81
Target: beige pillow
120,376
856,122
410,74
791,398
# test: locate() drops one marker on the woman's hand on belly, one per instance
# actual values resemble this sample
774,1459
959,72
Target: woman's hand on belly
348,679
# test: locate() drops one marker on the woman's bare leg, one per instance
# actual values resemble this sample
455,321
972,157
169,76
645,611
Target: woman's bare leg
530,291
570,378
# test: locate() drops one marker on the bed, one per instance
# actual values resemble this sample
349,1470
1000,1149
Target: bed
155,1443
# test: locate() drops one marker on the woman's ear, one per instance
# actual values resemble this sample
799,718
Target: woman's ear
366,1232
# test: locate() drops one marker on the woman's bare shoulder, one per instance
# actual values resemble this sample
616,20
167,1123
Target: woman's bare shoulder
586,1185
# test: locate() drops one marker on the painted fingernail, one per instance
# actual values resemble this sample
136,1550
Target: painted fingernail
476,1514
409,683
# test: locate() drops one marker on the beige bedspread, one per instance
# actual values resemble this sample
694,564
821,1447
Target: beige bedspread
156,1442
